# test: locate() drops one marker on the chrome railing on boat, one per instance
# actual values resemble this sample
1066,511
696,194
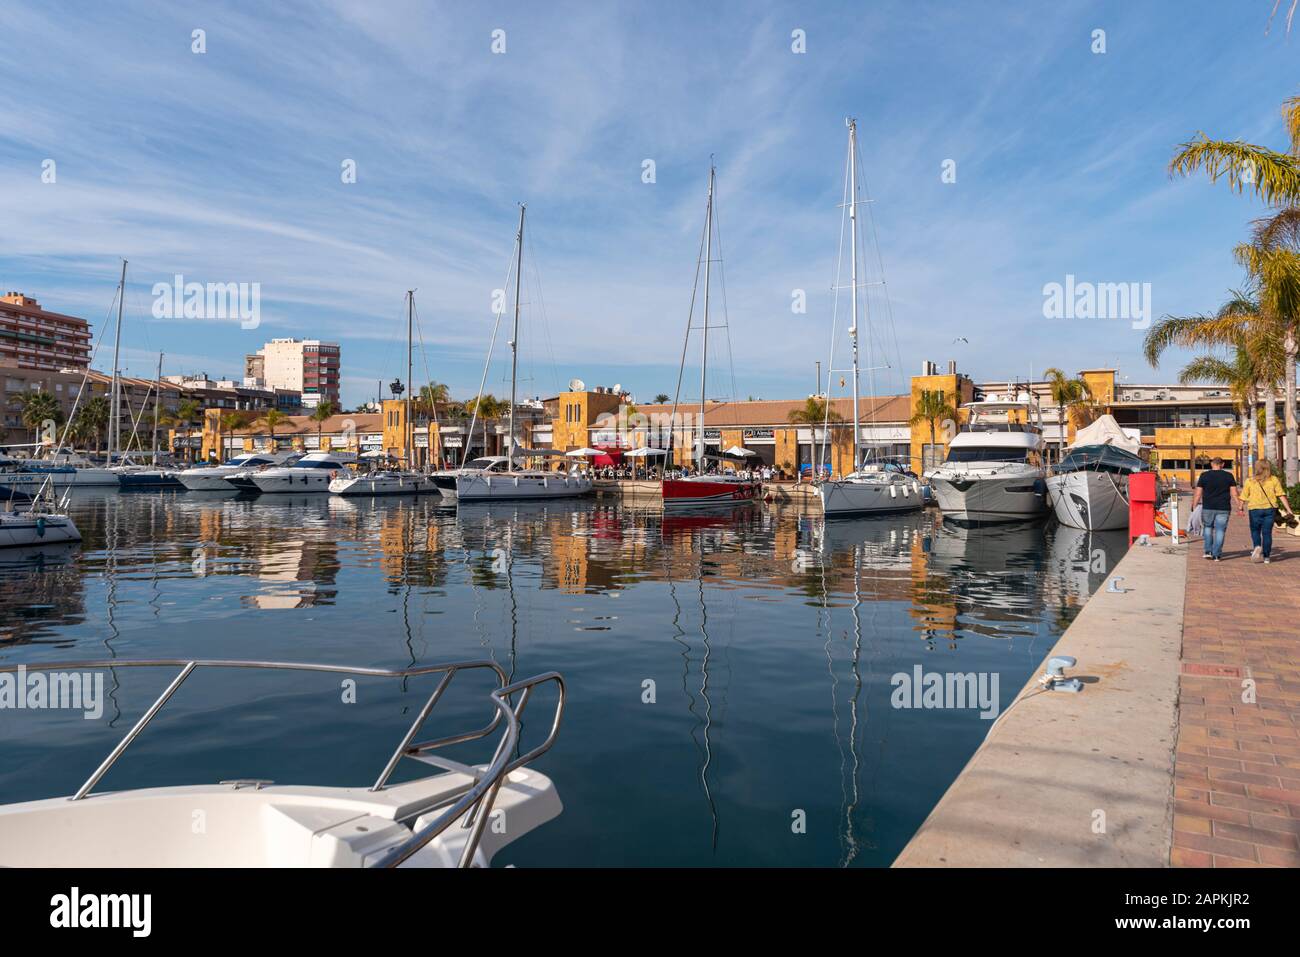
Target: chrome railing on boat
475,805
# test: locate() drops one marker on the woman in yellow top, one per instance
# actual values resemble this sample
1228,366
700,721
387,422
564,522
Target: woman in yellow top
1262,496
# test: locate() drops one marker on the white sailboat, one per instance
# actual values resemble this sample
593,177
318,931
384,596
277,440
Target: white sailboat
720,488
994,469
404,481
485,485
867,488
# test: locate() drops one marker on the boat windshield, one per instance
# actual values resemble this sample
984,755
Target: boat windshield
487,464
317,464
987,453
1100,458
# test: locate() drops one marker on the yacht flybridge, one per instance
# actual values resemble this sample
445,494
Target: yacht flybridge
494,483
994,469
445,818
705,488
867,488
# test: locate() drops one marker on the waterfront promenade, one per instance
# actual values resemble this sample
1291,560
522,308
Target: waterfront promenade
1237,765
1183,749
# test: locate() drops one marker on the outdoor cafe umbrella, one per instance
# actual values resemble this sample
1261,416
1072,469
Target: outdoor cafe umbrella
643,453
584,453
739,452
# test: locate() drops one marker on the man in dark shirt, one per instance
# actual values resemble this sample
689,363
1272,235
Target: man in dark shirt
1216,493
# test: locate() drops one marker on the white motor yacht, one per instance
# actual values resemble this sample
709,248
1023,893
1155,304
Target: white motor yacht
491,479
311,473
994,469
212,478
452,816
1088,488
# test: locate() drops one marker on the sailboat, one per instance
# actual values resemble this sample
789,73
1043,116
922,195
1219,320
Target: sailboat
405,481
869,487
703,488
492,484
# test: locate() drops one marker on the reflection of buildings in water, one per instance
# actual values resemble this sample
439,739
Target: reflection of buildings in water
310,565
40,588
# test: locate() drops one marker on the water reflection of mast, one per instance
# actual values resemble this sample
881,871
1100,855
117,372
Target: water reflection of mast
110,579
704,747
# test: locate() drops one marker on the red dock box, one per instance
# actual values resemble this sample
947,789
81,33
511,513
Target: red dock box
1141,505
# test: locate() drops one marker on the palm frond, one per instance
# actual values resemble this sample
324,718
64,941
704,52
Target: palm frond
1273,176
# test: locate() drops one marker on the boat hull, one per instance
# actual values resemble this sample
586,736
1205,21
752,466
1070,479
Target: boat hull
866,498
1092,500
59,478
990,498
297,480
366,486
694,492
504,486
266,825
22,529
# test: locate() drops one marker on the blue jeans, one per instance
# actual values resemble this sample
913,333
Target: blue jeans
1215,523
1261,528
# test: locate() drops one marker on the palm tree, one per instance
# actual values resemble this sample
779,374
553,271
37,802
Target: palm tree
94,415
1240,324
931,406
227,423
39,408
1241,375
1271,259
487,406
324,410
812,412
272,418
1071,395
661,398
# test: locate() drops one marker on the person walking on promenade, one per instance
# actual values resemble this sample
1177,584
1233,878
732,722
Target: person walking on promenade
1216,493
1262,497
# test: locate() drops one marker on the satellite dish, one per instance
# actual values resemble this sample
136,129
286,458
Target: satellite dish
577,385
617,387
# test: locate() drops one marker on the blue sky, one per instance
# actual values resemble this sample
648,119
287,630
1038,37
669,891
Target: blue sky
225,167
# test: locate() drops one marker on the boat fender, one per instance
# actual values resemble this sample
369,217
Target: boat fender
40,527
893,491
1040,487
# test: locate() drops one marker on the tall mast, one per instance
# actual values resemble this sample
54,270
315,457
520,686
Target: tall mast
409,438
853,251
704,346
157,400
514,341
115,404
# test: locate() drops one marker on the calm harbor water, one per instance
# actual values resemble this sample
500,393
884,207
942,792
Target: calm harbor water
766,638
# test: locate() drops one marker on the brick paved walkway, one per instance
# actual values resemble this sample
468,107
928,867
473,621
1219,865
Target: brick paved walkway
1237,766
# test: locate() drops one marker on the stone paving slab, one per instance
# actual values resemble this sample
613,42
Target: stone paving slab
1237,762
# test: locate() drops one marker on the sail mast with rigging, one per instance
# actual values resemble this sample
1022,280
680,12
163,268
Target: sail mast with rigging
704,345
115,404
514,341
853,277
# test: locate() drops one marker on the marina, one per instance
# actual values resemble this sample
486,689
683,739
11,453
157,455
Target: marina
706,606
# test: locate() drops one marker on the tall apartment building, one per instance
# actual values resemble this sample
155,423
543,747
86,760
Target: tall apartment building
33,338
308,366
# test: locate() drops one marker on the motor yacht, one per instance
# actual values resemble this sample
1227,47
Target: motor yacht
212,478
994,469
311,473
381,482
1088,488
